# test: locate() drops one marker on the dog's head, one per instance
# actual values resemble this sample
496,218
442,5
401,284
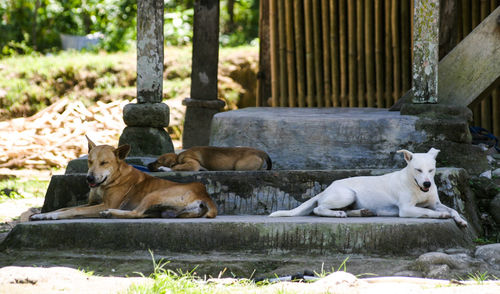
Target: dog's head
103,161
421,167
166,160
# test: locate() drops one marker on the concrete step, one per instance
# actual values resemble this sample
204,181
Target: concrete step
245,234
262,192
335,138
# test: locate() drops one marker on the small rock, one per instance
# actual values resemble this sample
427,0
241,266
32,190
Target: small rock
486,174
438,271
490,254
412,274
495,209
496,173
490,159
338,278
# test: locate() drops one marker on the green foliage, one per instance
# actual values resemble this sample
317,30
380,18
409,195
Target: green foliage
36,25
19,189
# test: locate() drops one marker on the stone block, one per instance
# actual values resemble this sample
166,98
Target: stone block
146,141
154,115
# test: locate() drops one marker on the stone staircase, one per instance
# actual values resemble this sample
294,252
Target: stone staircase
310,148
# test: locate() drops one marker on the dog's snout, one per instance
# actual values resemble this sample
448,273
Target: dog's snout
427,184
90,179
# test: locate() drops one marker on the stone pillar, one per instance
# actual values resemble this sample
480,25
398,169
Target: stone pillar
147,118
425,51
203,103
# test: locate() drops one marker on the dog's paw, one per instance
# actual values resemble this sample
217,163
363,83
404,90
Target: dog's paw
164,169
461,222
44,216
106,214
341,214
445,215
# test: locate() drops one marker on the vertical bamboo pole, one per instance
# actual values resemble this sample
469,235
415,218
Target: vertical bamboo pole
360,18
396,50
466,17
344,102
474,22
405,46
351,26
412,7
369,54
334,44
273,21
460,22
379,58
309,52
282,53
486,103
495,94
299,45
388,55
290,55
325,21
317,53
496,111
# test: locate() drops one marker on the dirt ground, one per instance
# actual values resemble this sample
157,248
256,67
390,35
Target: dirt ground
24,280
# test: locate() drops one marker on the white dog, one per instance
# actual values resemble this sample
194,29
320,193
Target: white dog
409,192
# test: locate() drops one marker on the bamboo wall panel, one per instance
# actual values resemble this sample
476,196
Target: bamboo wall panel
356,53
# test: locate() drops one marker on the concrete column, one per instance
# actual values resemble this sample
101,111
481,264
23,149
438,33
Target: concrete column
203,103
147,118
425,51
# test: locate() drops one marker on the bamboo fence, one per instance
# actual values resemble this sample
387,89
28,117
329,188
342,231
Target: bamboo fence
356,53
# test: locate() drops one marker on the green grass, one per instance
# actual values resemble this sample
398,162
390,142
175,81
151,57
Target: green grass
22,188
32,82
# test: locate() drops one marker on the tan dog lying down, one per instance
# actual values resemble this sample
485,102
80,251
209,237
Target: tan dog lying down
129,193
213,158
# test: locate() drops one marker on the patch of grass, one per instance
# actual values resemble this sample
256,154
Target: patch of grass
22,188
483,241
479,277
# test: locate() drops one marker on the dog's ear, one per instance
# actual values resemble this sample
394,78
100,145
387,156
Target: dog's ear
91,144
434,152
408,155
122,151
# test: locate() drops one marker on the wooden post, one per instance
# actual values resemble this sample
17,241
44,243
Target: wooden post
282,53
334,44
388,54
290,55
369,54
273,24
396,49
326,52
361,53
299,46
351,29
264,92
379,61
344,102
147,119
308,27
203,103
426,51
317,52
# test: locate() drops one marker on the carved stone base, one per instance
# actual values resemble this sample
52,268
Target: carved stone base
146,141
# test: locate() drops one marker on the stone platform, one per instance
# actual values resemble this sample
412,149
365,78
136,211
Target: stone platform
349,138
262,192
245,234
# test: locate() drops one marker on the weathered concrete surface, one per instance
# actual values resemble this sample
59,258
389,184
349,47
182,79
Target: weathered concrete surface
245,234
425,51
340,138
262,192
154,115
146,141
471,69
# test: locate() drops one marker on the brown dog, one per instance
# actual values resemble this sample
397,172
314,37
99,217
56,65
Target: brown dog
213,158
129,193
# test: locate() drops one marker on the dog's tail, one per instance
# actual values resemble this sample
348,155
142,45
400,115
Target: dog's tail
212,208
269,162
303,209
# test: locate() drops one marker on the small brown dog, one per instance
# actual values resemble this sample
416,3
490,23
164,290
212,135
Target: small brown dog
129,193
213,159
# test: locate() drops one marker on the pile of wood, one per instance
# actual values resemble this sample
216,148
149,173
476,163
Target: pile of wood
55,135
